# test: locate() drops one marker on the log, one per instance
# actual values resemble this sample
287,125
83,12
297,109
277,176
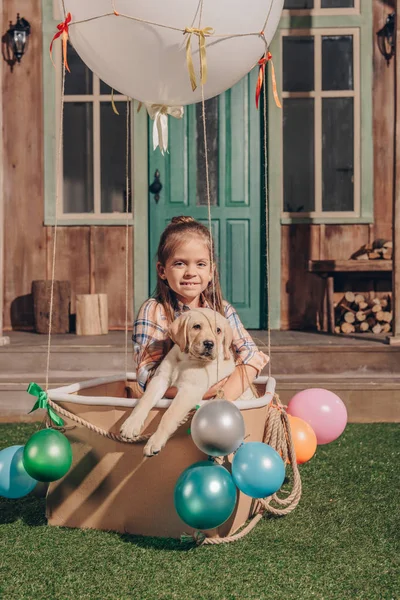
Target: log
349,297
349,317
347,328
364,326
362,305
377,328
386,328
361,315
41,291
91,314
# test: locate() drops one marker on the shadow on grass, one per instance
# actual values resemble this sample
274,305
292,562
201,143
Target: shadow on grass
154,543
30,510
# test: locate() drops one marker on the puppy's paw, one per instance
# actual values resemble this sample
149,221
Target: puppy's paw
154,445
132,427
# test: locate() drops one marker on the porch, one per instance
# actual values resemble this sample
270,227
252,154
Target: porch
363,370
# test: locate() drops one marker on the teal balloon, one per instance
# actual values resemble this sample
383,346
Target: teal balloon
47,455
258,470
205,495
14,480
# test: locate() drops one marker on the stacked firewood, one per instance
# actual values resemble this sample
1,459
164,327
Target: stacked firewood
379,249
358,313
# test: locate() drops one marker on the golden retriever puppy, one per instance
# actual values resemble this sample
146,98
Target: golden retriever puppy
201,336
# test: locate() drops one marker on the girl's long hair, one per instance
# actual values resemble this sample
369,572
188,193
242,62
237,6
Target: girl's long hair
180,228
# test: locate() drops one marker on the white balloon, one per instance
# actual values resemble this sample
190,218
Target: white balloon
148,63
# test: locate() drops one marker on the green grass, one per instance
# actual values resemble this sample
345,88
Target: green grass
340,542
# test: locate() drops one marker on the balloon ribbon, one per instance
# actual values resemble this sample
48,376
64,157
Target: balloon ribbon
63,32
201,33
261,74
42,402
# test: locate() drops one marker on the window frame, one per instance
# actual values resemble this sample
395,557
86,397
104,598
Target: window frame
334,24
319,11
319,94
51,108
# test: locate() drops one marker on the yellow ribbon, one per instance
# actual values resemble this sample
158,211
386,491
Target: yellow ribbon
201,33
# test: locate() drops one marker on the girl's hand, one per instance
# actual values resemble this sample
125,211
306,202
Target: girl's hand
214,389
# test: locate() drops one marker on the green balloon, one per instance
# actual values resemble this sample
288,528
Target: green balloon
205,495
47,455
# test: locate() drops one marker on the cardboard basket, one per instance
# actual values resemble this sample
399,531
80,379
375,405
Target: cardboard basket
111,485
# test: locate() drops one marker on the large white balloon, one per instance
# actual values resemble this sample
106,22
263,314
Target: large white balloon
148,62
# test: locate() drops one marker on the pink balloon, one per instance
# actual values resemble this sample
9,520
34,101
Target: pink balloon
323,410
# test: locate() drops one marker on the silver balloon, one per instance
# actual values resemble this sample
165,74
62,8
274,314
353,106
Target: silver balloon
218,428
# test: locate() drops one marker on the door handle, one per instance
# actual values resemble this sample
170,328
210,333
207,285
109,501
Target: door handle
156,187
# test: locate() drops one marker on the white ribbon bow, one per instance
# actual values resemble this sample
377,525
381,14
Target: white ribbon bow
158,113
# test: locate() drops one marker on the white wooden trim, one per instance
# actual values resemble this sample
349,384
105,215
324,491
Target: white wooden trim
140,204
95,99
318,94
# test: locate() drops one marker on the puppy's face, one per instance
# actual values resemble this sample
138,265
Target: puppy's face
202,333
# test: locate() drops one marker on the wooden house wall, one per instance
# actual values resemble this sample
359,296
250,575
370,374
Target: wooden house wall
301,292
91,258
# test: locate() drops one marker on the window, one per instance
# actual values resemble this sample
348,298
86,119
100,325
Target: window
93,161
322,142
321,97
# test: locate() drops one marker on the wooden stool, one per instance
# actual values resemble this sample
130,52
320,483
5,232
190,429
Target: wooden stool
61,306
91,314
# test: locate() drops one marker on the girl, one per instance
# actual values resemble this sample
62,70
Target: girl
184,281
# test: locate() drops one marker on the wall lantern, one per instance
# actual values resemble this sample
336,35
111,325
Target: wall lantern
386,41
17,39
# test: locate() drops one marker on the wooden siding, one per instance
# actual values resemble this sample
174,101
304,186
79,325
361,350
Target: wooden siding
91,258
301,292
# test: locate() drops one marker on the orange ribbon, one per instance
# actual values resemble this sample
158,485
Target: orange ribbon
63,32
261,74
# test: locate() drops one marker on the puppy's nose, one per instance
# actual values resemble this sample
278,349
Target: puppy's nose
208,344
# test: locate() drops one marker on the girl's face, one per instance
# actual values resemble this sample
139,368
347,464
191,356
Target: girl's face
188,270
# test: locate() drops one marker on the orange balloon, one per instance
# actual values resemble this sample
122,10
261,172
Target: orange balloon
304,439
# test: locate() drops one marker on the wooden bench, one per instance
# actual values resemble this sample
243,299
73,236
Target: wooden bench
327,269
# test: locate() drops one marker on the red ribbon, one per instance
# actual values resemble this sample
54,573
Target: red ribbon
63,32
260,80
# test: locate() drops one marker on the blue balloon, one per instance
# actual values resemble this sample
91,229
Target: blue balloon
14,480
205,495
258,470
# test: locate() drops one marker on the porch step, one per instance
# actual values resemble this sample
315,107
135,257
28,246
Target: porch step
368,398
286,360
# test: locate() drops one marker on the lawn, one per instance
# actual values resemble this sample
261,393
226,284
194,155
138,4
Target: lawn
340,543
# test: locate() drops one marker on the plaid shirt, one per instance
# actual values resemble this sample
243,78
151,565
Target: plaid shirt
151,341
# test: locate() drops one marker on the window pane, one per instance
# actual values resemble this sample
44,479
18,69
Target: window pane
79,81
78,157
337,62
211,110
338,154
298,154
298,4
337,3
298,63
113,158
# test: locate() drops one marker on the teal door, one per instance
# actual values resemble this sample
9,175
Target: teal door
233,139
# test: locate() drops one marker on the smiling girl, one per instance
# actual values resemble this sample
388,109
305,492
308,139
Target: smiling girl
184,281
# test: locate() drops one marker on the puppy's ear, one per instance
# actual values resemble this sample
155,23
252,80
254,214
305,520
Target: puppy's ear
178,332
228,337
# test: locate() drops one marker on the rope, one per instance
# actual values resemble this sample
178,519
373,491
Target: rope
53,265
127,186
103,432
278,435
